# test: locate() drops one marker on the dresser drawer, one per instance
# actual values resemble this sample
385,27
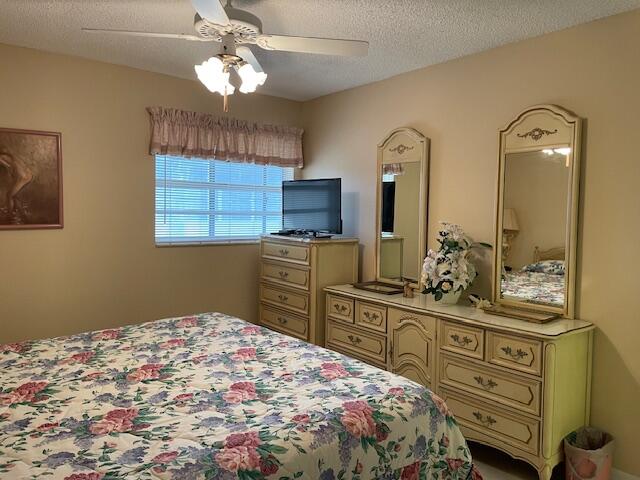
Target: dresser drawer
464,340
516,430
287,253
289,299
284,322
286,275
340,307
511,390
371,316
519,353
349,339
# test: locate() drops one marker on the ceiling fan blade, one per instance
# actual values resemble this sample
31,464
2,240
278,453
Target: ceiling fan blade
247,55
321,46
180,36
211,10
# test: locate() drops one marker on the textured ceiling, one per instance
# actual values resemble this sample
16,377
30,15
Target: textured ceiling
404,35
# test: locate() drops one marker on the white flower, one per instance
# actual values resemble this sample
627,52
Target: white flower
450,264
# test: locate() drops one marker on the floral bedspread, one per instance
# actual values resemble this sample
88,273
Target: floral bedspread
534,287
214,397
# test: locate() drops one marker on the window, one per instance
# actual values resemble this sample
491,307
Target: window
205,201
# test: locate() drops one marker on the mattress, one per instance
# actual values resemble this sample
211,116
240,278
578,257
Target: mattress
214,397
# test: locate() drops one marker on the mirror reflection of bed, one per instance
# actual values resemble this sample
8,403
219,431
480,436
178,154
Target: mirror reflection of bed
534,226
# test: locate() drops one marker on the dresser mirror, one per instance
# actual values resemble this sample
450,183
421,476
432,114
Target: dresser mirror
402,192
537,211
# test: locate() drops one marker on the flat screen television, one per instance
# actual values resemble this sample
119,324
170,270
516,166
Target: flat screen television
312,206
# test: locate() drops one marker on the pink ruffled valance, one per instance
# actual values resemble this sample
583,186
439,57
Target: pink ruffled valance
192,134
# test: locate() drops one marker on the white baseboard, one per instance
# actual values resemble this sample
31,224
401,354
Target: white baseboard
620,475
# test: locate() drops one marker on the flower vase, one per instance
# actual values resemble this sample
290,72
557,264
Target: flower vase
450,298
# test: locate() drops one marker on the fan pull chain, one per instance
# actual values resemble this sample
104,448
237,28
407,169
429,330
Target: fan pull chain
226,95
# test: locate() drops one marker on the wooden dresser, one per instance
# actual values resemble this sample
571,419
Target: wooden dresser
517,386
293,274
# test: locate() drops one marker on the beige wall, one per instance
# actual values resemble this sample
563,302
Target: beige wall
593,70
103,269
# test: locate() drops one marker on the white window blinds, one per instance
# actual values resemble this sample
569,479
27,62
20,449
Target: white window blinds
204,201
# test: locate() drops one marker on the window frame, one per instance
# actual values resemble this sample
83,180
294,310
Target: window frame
211,241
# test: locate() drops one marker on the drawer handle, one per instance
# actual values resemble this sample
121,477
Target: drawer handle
486,421
463,342
371,317
282,321
283,298
488,385
284,252
517,355
283,275
355,340
340,308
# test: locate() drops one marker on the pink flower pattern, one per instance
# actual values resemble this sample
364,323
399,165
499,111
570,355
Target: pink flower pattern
82,357
358,419
440,405
146,372
250,330
85,476
106,335
240,392
12,347
333,370
263,405
120,420
244,354
25,393
173,343
166,457
187,322
238,458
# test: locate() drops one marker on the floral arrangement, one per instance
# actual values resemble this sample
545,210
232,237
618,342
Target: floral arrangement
448,270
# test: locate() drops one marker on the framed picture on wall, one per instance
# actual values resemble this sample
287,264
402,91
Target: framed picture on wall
30,179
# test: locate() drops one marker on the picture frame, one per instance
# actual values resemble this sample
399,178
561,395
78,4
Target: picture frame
31,194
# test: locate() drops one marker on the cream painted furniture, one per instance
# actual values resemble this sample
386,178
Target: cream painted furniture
404,156
517,386
293,273
539,177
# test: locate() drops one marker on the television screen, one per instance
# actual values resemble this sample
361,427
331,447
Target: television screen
312,205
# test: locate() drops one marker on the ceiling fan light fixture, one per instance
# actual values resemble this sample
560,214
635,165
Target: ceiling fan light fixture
215,76
251,78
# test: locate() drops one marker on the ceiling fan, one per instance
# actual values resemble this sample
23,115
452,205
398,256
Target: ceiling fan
236,29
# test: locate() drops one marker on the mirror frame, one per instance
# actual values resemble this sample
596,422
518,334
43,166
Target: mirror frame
387,146
535,129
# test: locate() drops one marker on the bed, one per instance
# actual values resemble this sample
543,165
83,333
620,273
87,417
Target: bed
214,397
541,282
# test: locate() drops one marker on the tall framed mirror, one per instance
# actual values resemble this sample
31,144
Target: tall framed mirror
537,211
401,213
